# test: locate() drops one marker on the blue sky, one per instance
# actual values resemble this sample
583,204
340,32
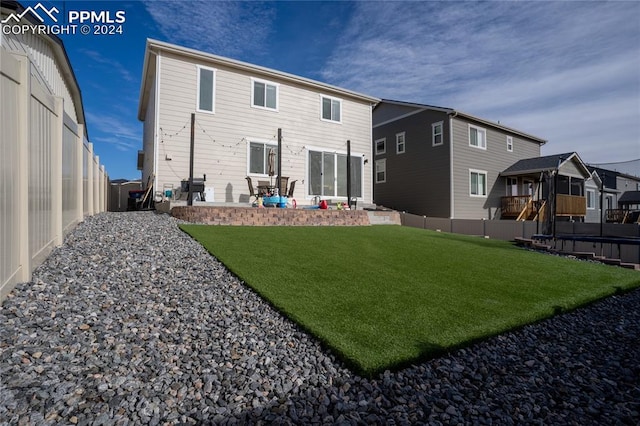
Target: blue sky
568,72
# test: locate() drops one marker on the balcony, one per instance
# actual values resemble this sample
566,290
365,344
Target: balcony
571,205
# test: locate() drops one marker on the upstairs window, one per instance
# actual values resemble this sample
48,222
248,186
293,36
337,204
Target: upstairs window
331,109
477,137
206,89
381,146
436,134
509,144
264,95
400,145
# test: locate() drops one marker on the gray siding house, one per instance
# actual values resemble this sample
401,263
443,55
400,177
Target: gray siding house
615,186
441,162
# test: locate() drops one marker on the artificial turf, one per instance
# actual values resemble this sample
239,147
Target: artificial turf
382,297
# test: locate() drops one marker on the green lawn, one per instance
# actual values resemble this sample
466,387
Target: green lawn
384,296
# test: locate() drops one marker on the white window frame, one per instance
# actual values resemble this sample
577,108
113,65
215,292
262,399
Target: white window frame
266,83
591,196
434,134
402,136
510,143
328,151
267,144
332,99
484,138
486,183
213,90
384,146
382,164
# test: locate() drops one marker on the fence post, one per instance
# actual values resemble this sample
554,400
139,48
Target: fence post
79,175
96,184
102,188
56,172
24,99
90,180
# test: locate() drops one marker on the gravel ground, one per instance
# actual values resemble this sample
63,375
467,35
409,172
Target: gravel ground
131,322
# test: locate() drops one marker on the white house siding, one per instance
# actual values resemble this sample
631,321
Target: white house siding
149,135
222,138
493,160
44,66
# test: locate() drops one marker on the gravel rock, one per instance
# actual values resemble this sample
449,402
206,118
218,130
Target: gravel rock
132,322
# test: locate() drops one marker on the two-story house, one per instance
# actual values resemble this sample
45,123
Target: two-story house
619,191
441,162
239,109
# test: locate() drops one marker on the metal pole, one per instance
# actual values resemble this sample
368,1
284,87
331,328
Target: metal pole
190,193
349,173
280,191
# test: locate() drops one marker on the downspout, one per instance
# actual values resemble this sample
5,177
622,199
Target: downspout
156,130
451,193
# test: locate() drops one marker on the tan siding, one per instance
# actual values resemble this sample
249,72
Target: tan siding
221,140
493,160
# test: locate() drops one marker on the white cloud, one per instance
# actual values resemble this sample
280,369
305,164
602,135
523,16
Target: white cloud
565,71
224,28
109,64
113,130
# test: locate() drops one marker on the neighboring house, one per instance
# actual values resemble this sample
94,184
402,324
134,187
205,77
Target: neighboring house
616,185
239,108
441,162
530,187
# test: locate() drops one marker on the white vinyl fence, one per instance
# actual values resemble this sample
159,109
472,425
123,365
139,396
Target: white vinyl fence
49,177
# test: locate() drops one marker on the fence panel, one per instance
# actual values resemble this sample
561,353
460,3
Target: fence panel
438,224
70,175
41,172
467,226
9,160
40,178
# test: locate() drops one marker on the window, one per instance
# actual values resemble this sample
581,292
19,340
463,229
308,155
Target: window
381,146
331,109
512,187
264,94
591,199
206,89
400,143
509,143
436,134
381,171
477,137
328,174
259,157
477,183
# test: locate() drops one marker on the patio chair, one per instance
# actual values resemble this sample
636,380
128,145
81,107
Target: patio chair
291,188
252,192
282,188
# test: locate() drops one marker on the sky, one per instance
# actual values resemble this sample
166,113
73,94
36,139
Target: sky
567,72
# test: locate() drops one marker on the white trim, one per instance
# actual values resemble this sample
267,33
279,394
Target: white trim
486,183
404,143
213,90
400,117
479,130
433,133
269,142
375,171
375,146
331,98
592,191
452,193
266,83
509,143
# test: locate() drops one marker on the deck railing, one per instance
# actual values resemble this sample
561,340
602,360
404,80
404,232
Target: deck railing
571,205
512,206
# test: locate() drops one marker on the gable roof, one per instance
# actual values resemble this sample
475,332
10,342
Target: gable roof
156,46
457,113
545,164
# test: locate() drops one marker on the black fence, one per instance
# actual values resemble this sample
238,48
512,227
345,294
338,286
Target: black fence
509,230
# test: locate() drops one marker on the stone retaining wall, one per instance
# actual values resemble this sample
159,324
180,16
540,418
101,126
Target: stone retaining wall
270,216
